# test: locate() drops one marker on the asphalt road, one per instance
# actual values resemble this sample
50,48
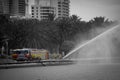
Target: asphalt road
81,71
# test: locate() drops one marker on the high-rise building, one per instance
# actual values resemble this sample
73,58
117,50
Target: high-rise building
35,8
18,7
41,8
14,7
63,8
4,6
42,12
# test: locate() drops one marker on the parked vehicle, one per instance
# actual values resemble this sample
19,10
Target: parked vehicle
29,54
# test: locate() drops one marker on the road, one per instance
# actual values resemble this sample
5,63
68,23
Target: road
81,71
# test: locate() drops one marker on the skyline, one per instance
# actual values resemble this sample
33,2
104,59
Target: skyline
88,9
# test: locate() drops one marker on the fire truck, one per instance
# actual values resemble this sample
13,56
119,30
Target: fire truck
29,54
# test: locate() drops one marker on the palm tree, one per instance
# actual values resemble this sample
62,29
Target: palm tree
51,16
99,21
25,33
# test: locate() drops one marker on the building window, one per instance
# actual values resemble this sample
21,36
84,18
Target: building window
32,7
59,5
32,13
32,10
59,2
59,11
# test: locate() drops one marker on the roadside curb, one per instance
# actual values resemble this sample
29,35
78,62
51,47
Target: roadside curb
36,64
8,66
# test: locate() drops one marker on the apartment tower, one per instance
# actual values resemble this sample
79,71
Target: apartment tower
4,6
14,7
41,8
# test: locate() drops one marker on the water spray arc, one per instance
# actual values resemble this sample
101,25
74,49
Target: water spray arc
98,39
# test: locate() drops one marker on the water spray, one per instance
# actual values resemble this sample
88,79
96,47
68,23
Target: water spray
65,57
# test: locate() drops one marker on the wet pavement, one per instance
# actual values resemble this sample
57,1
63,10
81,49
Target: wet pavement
81,71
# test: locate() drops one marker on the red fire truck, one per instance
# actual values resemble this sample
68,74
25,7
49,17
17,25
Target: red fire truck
29,54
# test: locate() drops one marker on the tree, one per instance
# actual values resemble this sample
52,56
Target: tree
48,34
51,16
67,46
75,19
99,22
63,31
4,21
25,33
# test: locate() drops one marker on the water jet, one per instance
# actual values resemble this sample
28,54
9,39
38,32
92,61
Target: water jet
104,47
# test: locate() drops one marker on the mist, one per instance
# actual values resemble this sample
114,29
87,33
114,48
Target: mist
104,47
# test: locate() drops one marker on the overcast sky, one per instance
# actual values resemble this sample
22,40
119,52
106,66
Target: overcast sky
88,9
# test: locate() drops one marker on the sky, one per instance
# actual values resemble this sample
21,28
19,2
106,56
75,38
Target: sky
88,9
